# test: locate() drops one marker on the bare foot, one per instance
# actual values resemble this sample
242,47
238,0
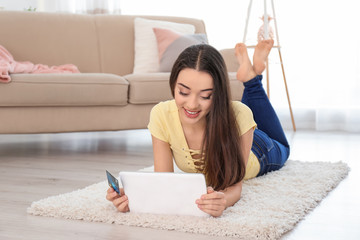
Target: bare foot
261,53
245,71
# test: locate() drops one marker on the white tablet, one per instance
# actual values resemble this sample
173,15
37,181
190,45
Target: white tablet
164,193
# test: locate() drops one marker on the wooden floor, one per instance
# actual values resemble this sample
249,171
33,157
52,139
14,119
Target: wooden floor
33,167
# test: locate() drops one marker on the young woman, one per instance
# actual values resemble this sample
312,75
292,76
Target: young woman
204,131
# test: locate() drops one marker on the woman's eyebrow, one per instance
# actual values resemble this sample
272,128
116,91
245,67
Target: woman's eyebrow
204,90
184,86
208,89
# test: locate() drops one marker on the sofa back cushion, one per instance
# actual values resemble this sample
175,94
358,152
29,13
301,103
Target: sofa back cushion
51,38
94,43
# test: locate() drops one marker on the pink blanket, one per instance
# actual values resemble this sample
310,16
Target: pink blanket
8,65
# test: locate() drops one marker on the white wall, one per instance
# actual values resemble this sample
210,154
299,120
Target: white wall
74,6
17,5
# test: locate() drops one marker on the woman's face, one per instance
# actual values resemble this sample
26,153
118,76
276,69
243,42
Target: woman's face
193,95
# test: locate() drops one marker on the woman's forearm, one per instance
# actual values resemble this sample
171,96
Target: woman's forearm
233,194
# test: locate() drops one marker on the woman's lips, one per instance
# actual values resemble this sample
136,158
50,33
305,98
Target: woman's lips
191,114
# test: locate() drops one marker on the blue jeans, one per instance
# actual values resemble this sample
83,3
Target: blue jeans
269,145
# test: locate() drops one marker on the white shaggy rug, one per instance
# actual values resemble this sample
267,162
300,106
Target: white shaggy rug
270,205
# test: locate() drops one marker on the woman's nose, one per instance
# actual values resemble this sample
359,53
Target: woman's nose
193,103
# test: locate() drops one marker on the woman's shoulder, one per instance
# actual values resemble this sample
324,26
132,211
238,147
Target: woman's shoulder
240,107
161,119
244,116
166,106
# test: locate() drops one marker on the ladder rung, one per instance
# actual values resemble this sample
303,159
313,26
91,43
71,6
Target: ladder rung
253,46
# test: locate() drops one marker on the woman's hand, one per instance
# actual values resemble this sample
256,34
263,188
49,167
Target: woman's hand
121,203
213,203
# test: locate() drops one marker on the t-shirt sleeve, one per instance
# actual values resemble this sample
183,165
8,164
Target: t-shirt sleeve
244,118
157,123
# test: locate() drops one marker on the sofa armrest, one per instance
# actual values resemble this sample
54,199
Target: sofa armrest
230,59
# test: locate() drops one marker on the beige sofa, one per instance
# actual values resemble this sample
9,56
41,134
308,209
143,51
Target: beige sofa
104,96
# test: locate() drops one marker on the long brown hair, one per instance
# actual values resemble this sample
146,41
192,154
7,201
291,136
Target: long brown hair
223,163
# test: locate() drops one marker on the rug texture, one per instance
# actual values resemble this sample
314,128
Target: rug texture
270,205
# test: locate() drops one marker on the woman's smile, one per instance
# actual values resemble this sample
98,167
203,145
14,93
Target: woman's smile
191,114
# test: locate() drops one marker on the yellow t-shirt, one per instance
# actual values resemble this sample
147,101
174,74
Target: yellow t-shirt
165,125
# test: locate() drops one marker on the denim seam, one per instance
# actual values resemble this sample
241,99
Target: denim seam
260,155
266,145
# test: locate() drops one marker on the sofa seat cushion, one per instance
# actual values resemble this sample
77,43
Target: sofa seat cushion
148,88
83,89
154,87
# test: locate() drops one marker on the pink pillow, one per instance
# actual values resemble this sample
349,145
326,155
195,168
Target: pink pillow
171,44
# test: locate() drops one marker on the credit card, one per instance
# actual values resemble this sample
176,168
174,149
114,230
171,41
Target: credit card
113,182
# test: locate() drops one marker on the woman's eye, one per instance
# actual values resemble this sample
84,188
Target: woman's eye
182,93
206,98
